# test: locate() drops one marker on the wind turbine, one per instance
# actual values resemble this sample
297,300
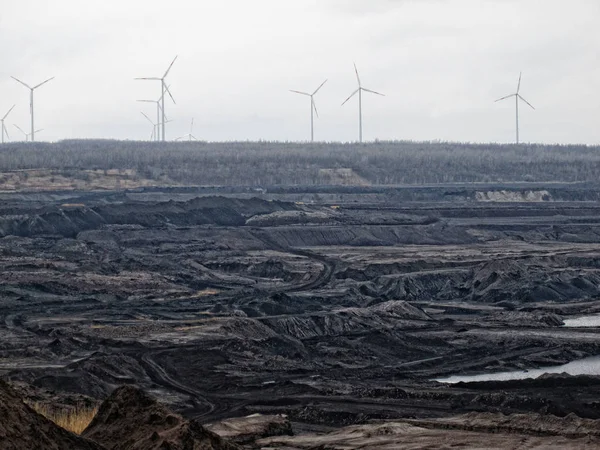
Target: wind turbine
27,134
517,96
190,135
163,88
156,132
158,110
359,91
313,108
31,89
155,126
4,131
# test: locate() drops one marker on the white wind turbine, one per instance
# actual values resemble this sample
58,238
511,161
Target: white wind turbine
156,131
4,131
155,126
313,108
27,134
189,135
158,111
517,96
359,91
31,89
163,88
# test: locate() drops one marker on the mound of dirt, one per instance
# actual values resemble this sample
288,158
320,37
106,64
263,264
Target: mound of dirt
68,221
395,435
21,428
244,430
130,419
570,426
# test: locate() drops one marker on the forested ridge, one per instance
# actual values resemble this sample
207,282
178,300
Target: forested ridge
285,163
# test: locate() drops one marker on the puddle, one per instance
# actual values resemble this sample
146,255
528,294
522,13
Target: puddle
585,321
587,366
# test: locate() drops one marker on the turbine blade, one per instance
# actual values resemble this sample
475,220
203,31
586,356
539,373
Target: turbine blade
357,77
24,84
146,101
315,107
37,131
170,95
352,95
43,82
525,101
298,92
319,87
372,92
519,85
6,115
194,137
5,130
149,78
147,118
19,128
167,72
504,98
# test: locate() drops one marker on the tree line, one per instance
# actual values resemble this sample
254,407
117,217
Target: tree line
287,163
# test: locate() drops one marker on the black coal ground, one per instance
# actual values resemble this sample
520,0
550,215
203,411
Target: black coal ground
330,313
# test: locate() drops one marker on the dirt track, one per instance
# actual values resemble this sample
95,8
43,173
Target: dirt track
333,313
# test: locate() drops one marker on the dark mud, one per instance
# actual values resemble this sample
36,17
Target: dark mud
331,313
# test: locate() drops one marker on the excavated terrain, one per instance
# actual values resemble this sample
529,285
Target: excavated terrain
333,306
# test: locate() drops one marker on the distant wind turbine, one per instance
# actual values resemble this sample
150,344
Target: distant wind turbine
189,135
155,133
359,91
517,96
31,89
27,134
155,127
158,113
4,131
313,108
163,88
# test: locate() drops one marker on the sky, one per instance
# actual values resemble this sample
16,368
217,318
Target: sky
440,63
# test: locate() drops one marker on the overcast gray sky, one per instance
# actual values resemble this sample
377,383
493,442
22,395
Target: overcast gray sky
441,64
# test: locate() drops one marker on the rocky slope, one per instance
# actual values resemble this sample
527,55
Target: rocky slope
132,420
21,428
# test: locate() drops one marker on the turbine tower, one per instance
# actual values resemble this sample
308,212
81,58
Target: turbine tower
27,134
31,89
313,109
163,88
189,135
4,131
517,97
359,91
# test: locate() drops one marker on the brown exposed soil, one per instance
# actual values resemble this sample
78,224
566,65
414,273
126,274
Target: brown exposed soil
21,428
